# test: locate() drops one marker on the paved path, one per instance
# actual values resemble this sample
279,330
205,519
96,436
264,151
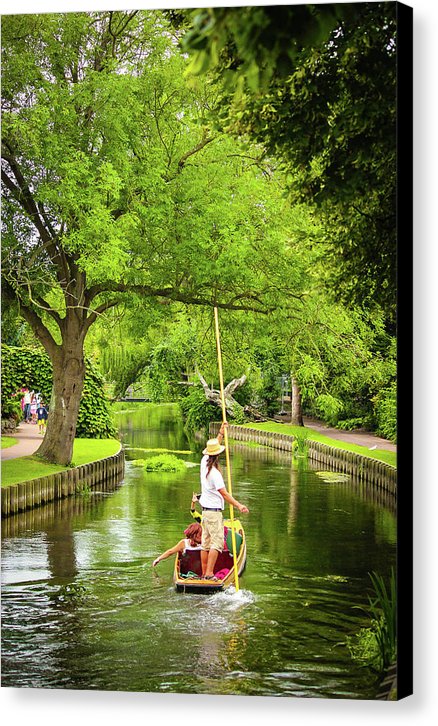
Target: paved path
29,439
357,436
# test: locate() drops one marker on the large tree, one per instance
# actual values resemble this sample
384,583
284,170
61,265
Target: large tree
114,185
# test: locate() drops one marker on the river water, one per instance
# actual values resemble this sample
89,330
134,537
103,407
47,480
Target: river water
82,607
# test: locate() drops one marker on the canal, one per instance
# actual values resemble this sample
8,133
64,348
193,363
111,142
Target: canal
82,607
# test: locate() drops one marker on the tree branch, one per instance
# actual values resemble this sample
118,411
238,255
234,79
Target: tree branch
198,147
98,311
171,293
34,320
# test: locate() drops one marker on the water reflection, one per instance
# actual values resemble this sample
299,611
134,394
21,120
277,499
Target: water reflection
121,625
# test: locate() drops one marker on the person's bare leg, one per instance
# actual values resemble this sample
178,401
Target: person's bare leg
204,560
212,557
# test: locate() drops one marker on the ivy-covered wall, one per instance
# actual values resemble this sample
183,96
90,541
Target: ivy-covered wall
32,368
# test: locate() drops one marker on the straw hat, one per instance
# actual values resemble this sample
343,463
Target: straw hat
213,448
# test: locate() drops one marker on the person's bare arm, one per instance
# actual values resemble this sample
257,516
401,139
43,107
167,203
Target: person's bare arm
228,498
220,435
168,553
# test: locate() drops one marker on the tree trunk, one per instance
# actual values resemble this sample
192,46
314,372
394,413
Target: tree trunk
214,396
68,382
297,411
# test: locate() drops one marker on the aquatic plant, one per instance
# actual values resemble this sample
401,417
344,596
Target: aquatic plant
70,594
332,477
376,645
162,462
299,444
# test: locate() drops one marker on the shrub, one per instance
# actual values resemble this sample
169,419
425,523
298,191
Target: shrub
162,462
349,424
11,408
376,646
197,411
385,407
269,393
33,368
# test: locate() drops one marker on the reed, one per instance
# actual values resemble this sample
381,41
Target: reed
376,645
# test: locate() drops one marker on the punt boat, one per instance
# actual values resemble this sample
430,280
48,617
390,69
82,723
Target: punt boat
187,572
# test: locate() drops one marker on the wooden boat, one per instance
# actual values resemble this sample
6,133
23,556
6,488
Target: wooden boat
190,562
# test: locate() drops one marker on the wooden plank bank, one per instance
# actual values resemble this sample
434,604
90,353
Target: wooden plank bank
362,468
29,494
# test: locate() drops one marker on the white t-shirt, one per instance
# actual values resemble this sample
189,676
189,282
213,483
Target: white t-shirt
210,496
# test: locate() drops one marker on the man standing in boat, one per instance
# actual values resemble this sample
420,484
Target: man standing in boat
212,502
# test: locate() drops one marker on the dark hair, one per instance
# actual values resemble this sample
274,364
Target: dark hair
211,462
194,533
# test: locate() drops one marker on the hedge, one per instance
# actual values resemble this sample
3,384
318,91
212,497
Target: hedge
33,368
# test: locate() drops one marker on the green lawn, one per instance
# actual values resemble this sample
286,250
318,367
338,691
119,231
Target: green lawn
31,467
389,457
8,441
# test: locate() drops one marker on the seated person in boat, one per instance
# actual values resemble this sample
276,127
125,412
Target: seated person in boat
192,541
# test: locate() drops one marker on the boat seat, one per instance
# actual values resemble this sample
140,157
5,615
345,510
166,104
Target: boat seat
229,542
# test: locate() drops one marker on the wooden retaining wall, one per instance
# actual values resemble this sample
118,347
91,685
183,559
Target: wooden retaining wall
26,495
361,468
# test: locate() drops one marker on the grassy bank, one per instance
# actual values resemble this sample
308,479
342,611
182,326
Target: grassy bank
389,457
31,467
8,441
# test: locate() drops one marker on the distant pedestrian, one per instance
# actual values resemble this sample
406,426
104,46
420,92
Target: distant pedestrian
27,398
42,415
33,408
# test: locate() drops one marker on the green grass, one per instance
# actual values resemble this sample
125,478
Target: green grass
389,457
8,441
31,467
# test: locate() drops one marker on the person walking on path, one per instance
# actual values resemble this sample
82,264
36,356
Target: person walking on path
42,415
27,399
212,500
33,408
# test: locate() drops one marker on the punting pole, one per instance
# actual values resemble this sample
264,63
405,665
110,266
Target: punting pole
227,453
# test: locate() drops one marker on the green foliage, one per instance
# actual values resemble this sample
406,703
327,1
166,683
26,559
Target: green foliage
32,368
330,68
197,411
161,462
384,604
95,420
328,406
260,43
11,408
269,393
300,444
364,646
376,646
385,403
21,367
